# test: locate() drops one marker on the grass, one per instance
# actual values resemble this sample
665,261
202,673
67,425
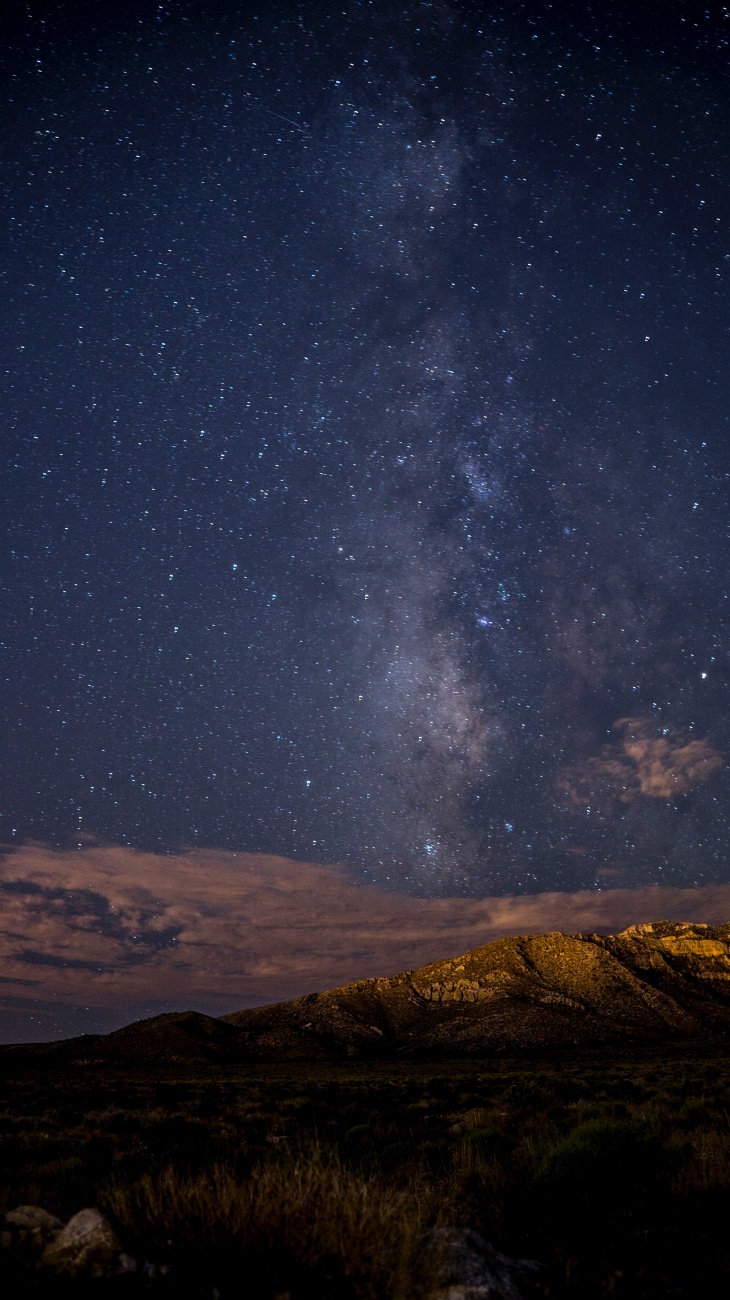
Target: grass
306,1225
613,1170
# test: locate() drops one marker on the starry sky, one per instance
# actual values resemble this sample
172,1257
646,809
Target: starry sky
365,438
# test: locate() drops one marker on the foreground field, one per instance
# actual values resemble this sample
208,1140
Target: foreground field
612,1169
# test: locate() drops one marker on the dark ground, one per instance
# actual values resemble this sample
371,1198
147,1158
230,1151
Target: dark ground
612,1168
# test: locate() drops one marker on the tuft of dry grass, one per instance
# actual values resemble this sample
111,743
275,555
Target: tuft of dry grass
305,1215
705,1162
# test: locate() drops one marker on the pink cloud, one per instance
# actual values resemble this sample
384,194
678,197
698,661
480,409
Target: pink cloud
640,762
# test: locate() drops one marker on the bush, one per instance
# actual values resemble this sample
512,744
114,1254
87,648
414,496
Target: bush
603,1162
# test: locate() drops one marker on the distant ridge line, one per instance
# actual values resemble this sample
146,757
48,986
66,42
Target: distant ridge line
652,982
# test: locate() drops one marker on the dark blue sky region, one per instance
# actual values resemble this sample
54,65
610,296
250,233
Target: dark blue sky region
365,437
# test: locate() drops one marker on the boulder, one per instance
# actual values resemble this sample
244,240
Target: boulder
471,1269
87,1244
27,1230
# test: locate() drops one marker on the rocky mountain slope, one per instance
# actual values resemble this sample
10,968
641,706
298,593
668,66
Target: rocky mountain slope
650,982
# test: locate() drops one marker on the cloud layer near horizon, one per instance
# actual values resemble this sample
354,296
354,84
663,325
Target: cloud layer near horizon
98,936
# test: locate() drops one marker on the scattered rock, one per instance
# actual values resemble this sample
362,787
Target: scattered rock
34,1243
31,1218
471,1269
152,1271
87,1247
27,1230
88,1244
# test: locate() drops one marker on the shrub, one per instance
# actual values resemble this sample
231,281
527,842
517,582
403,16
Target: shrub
603,1162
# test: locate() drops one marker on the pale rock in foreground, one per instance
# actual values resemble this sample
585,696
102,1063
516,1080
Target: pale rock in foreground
471,1269
87,1244
27,1230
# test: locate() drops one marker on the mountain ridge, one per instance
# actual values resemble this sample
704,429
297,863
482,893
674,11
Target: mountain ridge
654,980
661,980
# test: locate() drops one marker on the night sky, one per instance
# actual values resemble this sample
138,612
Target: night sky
365,437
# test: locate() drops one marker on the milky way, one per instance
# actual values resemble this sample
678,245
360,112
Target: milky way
366,439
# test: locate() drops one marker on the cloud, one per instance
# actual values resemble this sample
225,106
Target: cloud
640,762
120,933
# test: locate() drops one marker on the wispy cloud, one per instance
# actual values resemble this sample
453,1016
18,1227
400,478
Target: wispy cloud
114,930
641,762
